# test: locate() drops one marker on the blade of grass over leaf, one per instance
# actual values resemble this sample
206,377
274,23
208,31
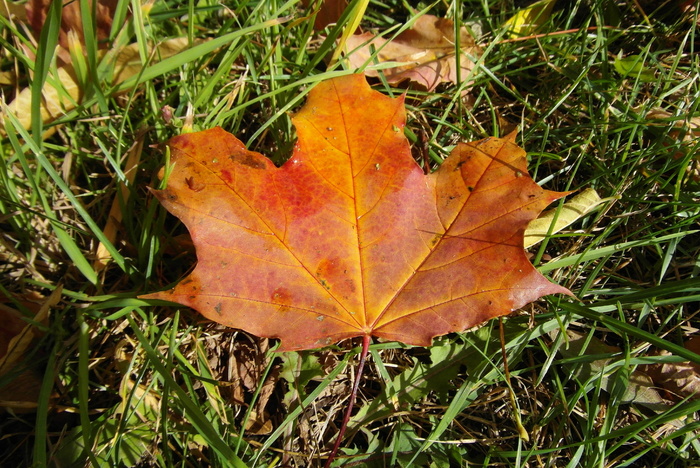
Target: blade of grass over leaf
357,10
46,47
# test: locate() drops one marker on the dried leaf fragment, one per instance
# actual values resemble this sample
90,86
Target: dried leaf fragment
71,20
16,338
638,386
427,50
528,20
680,378
684,136
553,221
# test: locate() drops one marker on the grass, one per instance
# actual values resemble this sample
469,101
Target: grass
117,381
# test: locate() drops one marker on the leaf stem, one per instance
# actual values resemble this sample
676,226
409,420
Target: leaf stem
366,340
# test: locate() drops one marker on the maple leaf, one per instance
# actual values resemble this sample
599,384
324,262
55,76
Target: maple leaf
427,51
349,238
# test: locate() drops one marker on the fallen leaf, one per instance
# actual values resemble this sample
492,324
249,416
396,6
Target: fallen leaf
426,52
16,338
139,405
327,11
127,60
679,378
687,9
634,68
528,20
63,90
553,221
686,132
638,385
71,20
246,364
62,93
349,238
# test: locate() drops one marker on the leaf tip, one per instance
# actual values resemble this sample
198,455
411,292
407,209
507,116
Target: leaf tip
512,136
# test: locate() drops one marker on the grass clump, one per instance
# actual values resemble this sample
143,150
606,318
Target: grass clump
605,95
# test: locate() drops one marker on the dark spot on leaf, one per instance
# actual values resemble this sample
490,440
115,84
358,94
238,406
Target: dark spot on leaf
470,188
350,285
217,308
247,159
194,184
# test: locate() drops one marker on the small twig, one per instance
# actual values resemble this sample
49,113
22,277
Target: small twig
366,340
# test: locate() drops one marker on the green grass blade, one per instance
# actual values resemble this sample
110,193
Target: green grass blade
46,47
191,55
632,330
68,243
189,408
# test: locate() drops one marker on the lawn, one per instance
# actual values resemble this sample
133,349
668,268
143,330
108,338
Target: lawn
604,95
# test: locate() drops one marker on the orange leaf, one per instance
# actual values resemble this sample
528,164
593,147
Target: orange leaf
349,237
